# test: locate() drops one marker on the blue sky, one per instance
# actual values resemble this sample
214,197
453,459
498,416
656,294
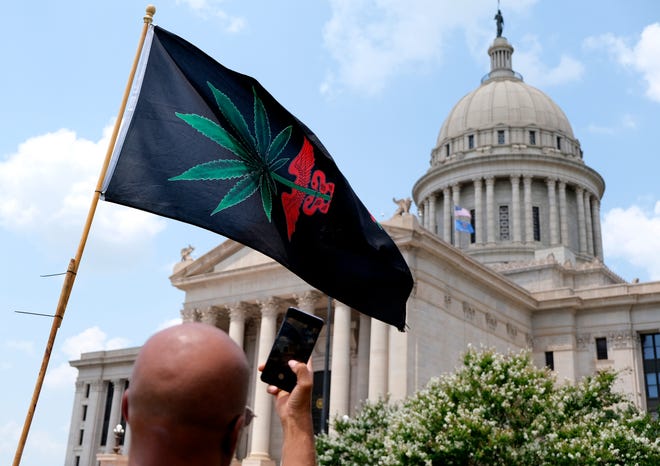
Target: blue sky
373,79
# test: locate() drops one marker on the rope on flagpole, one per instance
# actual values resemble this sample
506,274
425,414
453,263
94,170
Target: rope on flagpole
75,262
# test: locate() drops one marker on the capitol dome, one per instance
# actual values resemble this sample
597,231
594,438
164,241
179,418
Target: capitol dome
506,161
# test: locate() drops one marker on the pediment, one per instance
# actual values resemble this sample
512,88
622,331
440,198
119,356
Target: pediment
227,257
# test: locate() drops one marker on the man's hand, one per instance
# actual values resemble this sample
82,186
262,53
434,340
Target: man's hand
295,412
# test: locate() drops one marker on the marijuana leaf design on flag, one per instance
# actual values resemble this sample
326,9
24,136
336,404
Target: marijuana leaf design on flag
258,162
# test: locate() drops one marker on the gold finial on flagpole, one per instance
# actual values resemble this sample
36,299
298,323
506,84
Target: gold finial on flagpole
149,17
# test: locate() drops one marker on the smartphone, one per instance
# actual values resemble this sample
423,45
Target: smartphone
295,340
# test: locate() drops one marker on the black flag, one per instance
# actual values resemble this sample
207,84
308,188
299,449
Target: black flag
208,146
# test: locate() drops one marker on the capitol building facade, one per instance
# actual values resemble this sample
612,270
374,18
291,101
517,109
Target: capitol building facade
530,277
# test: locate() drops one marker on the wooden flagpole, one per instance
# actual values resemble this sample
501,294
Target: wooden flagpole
75,262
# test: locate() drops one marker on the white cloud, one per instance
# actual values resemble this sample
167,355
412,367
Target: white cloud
633,235
626,122
528,62
42,447
46,188
91,339
8,437
212,9
24,346
643,57
374,40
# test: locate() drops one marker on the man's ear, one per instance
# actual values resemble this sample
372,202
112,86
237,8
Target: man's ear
232,439
124,405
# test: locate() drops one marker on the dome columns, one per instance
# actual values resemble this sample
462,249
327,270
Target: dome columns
515,207
531,212
552,210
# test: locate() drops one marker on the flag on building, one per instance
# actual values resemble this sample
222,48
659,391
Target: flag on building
462,220
211,147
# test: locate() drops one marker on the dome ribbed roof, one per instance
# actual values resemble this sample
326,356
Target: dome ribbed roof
504,99
505,102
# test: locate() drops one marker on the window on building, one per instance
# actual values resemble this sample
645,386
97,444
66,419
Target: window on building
532,138
504,223
536,223
471,141
550,360
87,391
473,221
84,412
651,362
77,460
447,150
500,136
558,143
601,348
81,436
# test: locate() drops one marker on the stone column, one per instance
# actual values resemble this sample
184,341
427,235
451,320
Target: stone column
363,357
582,224
490,209
92,423
76,422
598,237
237,317
115,413
433,224
552,208
378,361
515,207
446,215
421,214
259,449
398,364
529,219
341,361
589,226
456,201
563,219
426,213
478,213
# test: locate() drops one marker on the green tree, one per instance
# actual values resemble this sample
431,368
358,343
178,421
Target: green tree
498,410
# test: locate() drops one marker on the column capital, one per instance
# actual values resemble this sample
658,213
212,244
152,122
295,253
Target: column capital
210,315
490,179
238,311
551,181
271,306
579,190
307,300
527,178
477,180
561,185
515,177
189,315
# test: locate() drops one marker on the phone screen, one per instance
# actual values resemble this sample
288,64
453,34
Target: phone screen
295,340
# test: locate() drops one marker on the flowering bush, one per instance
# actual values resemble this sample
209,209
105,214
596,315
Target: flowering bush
498,410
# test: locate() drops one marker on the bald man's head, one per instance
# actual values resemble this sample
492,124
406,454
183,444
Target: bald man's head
189,385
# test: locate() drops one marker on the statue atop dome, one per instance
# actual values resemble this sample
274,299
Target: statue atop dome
500,22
